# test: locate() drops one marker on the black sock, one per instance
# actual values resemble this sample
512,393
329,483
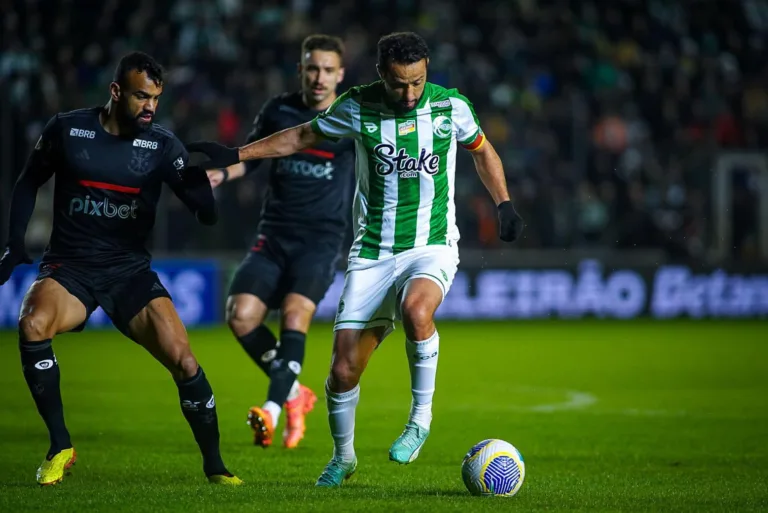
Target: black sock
260,345
287,365
41,371
199,408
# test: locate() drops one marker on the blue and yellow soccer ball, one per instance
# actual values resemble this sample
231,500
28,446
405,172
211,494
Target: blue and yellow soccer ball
493,467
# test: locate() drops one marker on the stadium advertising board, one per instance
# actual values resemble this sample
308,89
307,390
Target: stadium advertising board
193,284
588,290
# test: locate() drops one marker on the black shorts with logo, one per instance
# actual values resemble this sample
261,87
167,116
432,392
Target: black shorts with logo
122,292
289,262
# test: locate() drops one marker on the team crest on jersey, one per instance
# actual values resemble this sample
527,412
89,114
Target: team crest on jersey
139,164
406,127
442,127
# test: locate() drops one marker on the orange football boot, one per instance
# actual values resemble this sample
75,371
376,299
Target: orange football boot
263,426
295,411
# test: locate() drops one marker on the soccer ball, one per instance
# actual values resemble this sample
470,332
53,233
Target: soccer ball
493,467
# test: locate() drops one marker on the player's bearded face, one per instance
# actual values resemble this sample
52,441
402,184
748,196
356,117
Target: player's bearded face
320,72
405,83
137,101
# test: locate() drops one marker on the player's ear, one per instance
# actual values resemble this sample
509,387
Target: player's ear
341,76
299,69
114,91
380,72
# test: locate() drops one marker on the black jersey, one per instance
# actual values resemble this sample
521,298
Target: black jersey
106,188
309,190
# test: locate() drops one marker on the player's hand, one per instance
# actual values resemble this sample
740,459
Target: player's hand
510,222
216,177
220,156
12,257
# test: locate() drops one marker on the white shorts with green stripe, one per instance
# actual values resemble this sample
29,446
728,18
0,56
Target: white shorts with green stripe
372,288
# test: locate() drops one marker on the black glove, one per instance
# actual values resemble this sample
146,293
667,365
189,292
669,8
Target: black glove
510,222
220,155
12,257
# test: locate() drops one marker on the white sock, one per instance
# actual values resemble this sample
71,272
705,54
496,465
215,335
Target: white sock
422,360
294,393
274,409
341,417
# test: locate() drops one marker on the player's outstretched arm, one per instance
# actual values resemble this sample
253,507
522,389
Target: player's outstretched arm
280,144
491,172
38,170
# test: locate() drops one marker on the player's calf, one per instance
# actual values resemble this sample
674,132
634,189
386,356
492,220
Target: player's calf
43,377
422,346
245,314
260,344
158,329
48,309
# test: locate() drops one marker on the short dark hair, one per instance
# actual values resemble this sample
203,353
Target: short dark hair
138,62
402,48
323,42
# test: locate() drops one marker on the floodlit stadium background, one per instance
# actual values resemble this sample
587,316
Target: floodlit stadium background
633,135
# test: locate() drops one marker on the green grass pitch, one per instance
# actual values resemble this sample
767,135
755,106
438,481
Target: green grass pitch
610,416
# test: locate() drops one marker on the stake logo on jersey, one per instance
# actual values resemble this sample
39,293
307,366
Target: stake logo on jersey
393,215
404,164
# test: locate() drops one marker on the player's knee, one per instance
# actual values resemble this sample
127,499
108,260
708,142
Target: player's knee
239,321
188,366
35,327
417,317
297,318
244,316
345,375
184,364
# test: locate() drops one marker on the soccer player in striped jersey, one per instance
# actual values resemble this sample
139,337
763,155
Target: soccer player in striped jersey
407,132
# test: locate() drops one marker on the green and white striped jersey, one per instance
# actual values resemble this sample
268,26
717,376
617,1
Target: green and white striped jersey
405,166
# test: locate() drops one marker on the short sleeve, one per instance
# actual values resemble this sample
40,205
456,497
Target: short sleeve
341,119
468,131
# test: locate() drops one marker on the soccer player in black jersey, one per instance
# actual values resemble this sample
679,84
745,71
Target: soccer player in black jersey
293,258
110,164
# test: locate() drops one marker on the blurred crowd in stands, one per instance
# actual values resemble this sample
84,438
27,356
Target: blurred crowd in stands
608,114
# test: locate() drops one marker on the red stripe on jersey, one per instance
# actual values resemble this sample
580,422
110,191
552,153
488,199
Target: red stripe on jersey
474,145
110,187
319,153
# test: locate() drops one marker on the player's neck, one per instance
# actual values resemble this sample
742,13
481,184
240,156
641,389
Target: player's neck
318,105
108,120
